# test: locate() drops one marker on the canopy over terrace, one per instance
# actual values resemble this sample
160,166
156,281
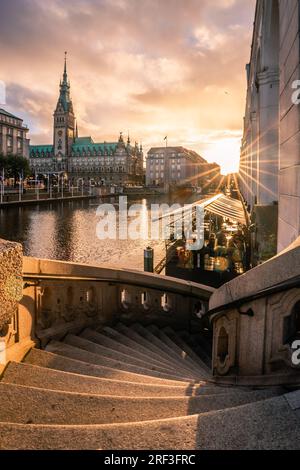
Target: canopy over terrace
220,204
227,207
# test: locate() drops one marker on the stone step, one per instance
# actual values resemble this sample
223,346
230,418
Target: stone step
81,355
265,425
31,405
50,379
153,346
62,362
105,352
206,341
130,342
181,344
161,343
199,345
127,361
179,347
102,339
170,347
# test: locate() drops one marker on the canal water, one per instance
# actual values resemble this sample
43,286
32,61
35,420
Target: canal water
68,231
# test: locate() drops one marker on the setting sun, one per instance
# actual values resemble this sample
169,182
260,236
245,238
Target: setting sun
226,153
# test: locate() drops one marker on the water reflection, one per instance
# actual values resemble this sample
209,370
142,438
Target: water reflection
67,231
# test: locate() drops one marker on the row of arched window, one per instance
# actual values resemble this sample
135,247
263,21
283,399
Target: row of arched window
78,169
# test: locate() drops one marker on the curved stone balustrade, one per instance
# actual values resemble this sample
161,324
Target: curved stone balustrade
255,317
62,296
256,322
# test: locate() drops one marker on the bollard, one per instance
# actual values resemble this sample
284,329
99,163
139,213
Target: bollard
148,259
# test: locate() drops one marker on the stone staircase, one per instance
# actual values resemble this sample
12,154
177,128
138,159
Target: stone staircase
136,387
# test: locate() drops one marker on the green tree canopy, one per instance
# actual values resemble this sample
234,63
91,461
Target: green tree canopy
14,166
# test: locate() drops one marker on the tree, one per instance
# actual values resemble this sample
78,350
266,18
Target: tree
14,166
2,164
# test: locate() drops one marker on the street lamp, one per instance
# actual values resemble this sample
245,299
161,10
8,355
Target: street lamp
2,189
20,186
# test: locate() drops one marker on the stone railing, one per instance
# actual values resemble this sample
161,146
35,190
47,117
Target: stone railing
59,297
256,324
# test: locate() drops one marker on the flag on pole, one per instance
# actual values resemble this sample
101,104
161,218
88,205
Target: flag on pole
166,139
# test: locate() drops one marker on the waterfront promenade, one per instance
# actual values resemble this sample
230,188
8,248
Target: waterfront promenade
15,198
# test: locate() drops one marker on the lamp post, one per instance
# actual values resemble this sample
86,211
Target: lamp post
20,187
2,185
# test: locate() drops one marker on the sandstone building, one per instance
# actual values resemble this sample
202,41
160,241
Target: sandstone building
168,167
270,157
13,140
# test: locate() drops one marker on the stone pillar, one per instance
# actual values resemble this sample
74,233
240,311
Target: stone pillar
11,287
254,175
247,167
268,156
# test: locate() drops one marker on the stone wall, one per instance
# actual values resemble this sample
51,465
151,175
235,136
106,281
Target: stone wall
289,163
254,335
10,280
270,158
11,292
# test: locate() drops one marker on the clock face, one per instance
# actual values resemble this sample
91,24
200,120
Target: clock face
60,133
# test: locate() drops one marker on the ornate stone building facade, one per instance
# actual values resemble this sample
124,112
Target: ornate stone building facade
13,135
270,157
168,167
80,158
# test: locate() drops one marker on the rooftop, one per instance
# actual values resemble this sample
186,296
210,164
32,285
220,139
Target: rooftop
179,149
6,113
84,140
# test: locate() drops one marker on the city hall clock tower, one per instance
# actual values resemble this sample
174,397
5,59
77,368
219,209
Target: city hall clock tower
64,119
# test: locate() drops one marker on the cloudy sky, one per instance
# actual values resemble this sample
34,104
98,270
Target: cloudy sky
153,67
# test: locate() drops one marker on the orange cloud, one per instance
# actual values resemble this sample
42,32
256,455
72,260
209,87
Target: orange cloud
155,67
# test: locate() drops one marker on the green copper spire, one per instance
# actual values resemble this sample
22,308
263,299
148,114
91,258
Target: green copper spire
65,76
64,95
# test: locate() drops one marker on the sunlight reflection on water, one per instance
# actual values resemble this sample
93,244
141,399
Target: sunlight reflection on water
67,231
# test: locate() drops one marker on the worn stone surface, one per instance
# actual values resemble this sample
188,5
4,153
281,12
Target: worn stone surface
74,352
51,379
104,340
81,365
10,280
110,353
170,349
54,401
266,425
23,404
294,399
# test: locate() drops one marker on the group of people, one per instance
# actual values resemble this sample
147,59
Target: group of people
224,250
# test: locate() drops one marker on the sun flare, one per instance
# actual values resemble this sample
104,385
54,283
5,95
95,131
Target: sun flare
225,152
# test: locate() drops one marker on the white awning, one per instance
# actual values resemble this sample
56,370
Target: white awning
220,204
227,207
